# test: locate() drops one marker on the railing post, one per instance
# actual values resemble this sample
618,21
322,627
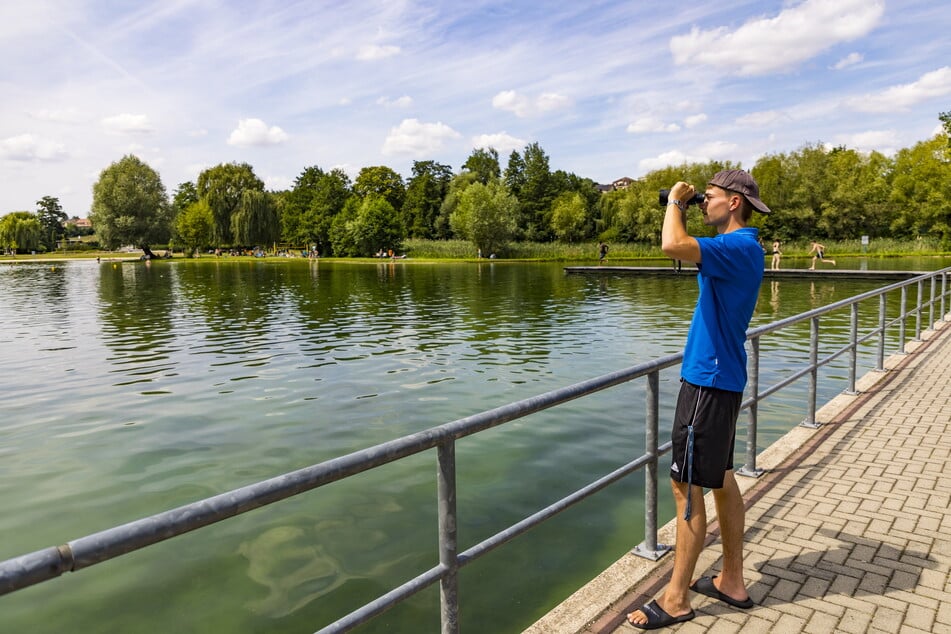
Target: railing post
448,547
749,469
931,304
901,323
649,548
813,374
918,312
854,345
944,291
880,357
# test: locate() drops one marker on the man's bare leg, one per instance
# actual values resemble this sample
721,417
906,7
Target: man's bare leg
731,514
689,543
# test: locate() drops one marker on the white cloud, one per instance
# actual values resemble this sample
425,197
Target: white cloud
27,147
502,141
254,132
884,141
277,183
760,119
849,60
375,51
551,101
525,106
695,120
126,123
702,154
674,157
65,115
401,102
718,150
937,83
417,139
765,45
651,124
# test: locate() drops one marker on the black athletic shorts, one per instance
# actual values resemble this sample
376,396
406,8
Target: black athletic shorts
713,414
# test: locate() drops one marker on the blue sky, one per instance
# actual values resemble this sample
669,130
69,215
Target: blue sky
608,89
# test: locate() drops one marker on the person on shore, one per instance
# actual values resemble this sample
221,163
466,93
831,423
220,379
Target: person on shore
777,254
713,376
820,254
602,252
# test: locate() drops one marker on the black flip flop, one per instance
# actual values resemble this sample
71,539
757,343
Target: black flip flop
658,618
705,585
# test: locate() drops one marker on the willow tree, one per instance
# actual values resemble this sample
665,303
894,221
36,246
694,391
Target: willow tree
20,230
130,206
256,220
222,187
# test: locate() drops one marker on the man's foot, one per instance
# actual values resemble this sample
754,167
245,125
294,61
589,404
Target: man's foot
812,268
651,617
707,586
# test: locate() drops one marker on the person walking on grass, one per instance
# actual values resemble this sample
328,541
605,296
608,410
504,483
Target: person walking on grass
713,376
819,250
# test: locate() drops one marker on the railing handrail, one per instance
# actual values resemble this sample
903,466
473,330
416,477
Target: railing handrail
48,563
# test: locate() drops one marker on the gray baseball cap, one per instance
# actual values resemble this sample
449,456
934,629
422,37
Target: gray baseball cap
743,183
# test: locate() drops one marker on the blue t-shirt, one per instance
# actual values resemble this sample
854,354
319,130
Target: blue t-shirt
731,271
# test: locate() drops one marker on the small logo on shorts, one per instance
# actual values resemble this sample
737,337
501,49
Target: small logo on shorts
674,468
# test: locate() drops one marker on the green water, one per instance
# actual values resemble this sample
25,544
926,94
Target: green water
133,388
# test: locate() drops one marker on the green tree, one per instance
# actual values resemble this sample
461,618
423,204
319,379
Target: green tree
536,196
514,176
256,221
20,230
195,227
945,118
459,183
486,216
185,194
311,206
381,181
296,205
365,227
484,163
331,195
921,192
130,206
425,193
568,215
222,187
52,218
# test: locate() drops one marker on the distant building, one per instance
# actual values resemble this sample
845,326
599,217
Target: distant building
83,223
619,184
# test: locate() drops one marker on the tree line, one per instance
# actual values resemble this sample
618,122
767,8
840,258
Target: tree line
815,192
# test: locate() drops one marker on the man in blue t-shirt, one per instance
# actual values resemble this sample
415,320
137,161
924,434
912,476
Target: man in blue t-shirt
713,376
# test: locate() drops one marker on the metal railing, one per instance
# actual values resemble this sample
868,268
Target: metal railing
48,563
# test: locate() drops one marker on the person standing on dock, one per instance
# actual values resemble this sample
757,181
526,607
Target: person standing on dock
713,376
602,252
820,254
777,254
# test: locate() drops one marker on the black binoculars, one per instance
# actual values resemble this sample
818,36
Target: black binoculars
696,200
